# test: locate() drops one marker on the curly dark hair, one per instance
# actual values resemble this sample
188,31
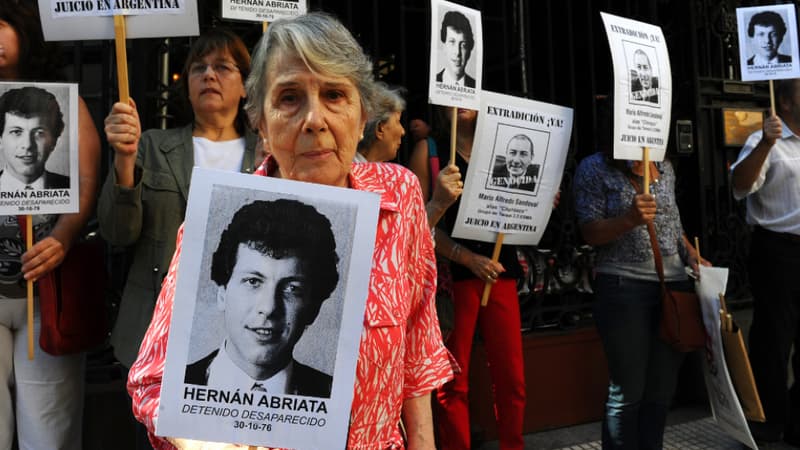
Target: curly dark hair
29,102
38,60
767,19
460,23
279,229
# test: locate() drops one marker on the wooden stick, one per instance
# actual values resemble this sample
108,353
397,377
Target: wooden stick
264,26
722,302
771,97
723,325
697,249
28,245
453,127
646,161
252,447
122,58
495,256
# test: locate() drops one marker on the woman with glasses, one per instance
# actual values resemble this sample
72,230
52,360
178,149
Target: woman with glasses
144,197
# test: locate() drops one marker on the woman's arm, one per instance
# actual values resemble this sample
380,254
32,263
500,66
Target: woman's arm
418,422
48,253
603,231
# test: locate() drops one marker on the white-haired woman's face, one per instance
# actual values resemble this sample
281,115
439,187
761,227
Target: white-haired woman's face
312,122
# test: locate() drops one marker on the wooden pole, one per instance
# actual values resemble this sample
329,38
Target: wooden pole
495,256
772,97
264,26
646,161
453,128
28,245
122,58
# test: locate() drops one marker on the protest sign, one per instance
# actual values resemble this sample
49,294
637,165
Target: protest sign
642,87
93,19
39,142
456,55
515,169
721,394
266,325
263,10
768,42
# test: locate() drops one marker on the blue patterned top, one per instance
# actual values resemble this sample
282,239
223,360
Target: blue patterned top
603,192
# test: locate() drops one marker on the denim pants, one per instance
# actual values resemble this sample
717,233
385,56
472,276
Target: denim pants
642,369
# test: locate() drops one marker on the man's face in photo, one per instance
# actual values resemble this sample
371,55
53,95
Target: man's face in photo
27,143
765,41
642,66
267,306
519,155
456,51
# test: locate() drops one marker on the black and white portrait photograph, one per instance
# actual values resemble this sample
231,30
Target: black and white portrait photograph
766,31
38,129
269,308
514,168
768,47
457,42
643,67
272,265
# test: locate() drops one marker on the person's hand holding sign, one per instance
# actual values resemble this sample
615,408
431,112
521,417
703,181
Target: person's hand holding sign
642,210
483,267
773,129
123,130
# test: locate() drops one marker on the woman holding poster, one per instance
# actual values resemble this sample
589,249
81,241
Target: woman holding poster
612,213
499,320
310,94
42,398
143,200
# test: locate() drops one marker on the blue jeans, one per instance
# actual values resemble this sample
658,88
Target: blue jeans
642,369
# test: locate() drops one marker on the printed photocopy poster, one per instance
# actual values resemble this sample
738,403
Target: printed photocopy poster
768,42
263,10
642,88
268,312
515,169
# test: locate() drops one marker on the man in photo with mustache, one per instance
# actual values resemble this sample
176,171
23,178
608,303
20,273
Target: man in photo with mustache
515,170
31,123
766,31
456,35
274,266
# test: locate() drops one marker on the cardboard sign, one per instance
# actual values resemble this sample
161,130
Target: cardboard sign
235,370
768,42
39,157
456,55
93,19
515,169
642,87
721,394
263,10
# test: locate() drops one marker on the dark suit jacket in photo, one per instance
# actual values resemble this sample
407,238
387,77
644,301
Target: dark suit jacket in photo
468,80
637,91
781,59
305,380
53,180
526,182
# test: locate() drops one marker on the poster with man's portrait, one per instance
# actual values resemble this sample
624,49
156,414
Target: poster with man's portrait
39,143
268,312
267,11
768,42
515,169
456,55
642,88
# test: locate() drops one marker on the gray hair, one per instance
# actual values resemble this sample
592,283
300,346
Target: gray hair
387,102
324,45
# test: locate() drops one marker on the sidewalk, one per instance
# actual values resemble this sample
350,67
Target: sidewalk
690,428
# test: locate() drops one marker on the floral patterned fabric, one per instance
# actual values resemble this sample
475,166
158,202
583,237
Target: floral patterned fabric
401,354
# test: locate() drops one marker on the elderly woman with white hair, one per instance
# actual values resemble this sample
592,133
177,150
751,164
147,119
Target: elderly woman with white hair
384,132
309,94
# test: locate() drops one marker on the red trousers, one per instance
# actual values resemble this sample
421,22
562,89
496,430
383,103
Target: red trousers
500,328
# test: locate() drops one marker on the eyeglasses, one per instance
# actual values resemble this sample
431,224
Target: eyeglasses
222,69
